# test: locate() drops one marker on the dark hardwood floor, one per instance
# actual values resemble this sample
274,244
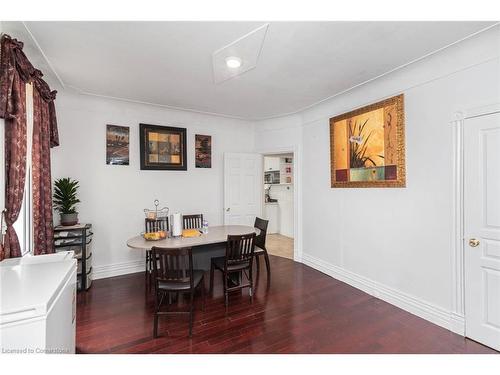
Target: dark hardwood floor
303,311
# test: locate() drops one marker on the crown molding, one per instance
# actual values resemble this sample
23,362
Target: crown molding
43,54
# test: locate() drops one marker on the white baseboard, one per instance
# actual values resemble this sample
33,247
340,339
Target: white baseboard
117,269
414,305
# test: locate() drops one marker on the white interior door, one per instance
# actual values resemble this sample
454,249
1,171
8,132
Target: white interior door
482,229
243,185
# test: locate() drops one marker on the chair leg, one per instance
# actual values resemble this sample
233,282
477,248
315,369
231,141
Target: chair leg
257,263
155,321
202,284
211,277
268,266
191,303
155,326
250,281
226,294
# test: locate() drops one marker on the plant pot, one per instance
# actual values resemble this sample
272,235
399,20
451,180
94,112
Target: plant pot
69,219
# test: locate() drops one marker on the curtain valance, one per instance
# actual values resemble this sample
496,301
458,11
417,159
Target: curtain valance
14,60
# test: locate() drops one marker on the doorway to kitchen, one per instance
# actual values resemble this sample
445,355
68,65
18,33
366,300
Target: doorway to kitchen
278,204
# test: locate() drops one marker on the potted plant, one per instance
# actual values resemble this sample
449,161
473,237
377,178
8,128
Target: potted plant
65,200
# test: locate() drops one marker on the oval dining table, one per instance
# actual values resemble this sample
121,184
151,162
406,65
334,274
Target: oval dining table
204,246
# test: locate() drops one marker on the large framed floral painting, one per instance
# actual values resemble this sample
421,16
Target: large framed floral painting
367,146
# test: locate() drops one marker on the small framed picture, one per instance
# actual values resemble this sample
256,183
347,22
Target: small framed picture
117,145
162,147
203,151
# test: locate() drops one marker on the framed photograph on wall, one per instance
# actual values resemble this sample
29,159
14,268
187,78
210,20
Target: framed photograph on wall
162,147
203,151
117,145
367,146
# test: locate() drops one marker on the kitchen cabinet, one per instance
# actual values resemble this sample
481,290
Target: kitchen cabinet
271,163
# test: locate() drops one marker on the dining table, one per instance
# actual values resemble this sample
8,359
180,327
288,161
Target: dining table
204,247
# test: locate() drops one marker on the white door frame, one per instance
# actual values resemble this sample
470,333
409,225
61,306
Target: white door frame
457,316
297,188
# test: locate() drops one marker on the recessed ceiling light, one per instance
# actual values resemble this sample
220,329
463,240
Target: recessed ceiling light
233,62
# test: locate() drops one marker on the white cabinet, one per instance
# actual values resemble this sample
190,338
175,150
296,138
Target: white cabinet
38,304
271,163
271,213
286,218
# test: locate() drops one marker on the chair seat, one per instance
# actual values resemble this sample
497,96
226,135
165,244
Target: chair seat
166,285
259,251
219,263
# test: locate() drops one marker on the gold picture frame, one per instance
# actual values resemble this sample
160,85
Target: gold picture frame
367,146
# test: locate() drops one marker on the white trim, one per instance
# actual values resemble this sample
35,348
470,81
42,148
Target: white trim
174,108
456,258
297,197
414,305
481,111
110,270
457,323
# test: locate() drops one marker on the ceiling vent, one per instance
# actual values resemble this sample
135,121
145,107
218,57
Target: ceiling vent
240,56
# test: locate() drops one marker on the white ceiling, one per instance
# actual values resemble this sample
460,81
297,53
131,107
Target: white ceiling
170,63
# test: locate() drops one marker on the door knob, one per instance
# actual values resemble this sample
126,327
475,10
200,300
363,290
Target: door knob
473,242
228,209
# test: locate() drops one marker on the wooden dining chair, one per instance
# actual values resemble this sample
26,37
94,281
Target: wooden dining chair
260,245
192,221
239,259
173,273
153,225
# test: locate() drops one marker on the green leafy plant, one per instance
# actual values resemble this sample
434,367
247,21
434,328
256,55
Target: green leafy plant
357,150
65,195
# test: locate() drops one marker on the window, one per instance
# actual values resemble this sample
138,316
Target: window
24,223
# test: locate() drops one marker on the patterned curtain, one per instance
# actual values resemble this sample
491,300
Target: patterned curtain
15,72
43,230
13,110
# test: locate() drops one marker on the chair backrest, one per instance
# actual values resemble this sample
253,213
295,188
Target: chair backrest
172,265
260,240
240,248
156,225
192,221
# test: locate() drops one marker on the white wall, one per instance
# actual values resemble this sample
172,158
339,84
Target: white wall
113,197
395,242
283,133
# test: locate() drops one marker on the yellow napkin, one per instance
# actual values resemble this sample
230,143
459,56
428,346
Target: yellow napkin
191,233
